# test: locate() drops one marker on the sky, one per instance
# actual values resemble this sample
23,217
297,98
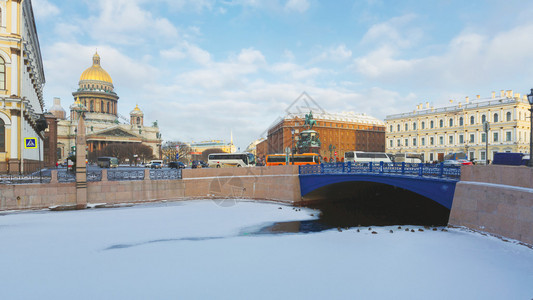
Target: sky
207,68
201,250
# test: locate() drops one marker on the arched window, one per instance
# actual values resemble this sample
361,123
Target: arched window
495,117
461,121
138,120
2,136
472,120
508,116
107,107
390,127
398,127
441,123
102,106
2,72
406,127
483,119
451,122
423,125
431,124
414,125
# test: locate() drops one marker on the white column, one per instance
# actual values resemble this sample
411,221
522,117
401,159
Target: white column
13,152
14,17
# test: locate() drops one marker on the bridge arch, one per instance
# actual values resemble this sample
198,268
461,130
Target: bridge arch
440,190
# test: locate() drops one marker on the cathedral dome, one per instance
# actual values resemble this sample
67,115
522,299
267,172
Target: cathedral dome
95,72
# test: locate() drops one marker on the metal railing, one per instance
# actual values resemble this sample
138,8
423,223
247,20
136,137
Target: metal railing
381,168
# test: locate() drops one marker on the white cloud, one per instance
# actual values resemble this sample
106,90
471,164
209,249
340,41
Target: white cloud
187,50
335,54
125,22
44,9
398,32
300,6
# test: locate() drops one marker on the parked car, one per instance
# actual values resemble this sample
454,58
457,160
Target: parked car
456,162
156,165
176,165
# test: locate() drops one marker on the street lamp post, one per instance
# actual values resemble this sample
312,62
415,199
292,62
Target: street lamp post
530,100
292,146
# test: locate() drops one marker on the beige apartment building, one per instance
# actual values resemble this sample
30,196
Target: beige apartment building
435,132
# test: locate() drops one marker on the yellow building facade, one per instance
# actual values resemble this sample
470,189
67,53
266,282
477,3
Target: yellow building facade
435,132
21,89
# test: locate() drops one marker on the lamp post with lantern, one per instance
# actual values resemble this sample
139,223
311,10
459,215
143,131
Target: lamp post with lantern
530,100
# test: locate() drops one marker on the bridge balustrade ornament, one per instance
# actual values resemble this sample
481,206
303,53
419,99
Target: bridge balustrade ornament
409,169
165,174
94,175
115,175
66,176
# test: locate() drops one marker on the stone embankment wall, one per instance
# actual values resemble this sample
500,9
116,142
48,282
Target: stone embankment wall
495,199
279,183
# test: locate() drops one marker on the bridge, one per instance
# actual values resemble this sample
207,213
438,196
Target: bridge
436,182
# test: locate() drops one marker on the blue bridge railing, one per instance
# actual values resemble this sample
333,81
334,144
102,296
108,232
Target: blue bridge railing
381,168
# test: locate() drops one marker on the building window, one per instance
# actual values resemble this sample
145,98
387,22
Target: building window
451,122
92,105
441,123
406,126
138,120
423,141
507,136
495,137
414,141
461,121
450,140
102,106
483,138
482,155
483,119
414,125
461,139
2,73
441,140
2,136
423,125
472,138
398,143
107,107
472,120
398,127
431,141
390,128
431,124
431,157
390,143
495,117
406,143
508,116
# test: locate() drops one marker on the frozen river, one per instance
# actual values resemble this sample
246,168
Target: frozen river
201,250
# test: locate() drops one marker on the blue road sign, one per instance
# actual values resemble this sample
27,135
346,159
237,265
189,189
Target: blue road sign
177,156
30,143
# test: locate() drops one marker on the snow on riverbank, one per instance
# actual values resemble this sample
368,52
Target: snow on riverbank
199,250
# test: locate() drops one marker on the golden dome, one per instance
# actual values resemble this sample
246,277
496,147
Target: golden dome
136,111
95,72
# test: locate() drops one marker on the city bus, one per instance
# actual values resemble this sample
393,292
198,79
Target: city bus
360,156
107,162
224,160
414,158
299,159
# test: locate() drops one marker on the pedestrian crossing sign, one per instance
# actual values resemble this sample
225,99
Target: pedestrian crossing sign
30,143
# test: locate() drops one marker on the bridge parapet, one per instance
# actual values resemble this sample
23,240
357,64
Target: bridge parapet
381,168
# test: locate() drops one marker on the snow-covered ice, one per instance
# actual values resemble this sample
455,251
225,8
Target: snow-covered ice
200,250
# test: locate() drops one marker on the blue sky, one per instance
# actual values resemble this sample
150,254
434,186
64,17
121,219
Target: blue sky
205,68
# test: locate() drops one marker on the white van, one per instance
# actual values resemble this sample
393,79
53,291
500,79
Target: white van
360,156
154,164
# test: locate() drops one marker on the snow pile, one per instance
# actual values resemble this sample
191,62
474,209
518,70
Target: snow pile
198,250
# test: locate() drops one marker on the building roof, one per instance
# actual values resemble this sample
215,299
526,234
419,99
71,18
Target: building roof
349,116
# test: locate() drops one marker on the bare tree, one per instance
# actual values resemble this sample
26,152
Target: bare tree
171,148
128,152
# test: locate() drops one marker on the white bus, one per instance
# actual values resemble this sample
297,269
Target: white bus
414,158
360,156
223,160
